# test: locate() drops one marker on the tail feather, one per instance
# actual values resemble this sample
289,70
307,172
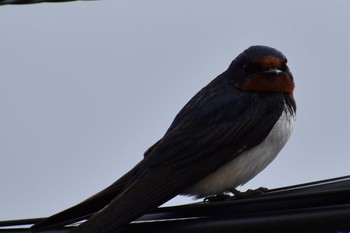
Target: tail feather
143,195
86,208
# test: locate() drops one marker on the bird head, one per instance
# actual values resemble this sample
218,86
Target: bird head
263,69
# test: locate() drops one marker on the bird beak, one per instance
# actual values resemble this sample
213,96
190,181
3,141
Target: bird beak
274,71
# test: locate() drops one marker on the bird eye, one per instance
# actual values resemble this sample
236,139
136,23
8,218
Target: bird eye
284,66
245,68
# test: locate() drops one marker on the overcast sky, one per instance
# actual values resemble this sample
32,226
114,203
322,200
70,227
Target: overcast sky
87,87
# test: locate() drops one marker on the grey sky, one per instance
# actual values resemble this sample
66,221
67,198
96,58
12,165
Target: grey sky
86,87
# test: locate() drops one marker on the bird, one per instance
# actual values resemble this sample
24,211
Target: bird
223,137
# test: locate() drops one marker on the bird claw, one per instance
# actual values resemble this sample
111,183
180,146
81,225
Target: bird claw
238,194
217,198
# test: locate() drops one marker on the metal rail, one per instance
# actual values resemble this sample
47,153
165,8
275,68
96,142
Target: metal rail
18,2
321,206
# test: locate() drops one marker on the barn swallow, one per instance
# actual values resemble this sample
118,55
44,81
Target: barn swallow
224,136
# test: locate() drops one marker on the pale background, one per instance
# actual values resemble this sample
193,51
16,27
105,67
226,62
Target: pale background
86,87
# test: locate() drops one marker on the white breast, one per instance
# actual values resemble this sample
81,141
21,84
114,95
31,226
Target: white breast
244,167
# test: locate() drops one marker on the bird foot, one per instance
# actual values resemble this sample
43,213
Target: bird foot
238,194
217,198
